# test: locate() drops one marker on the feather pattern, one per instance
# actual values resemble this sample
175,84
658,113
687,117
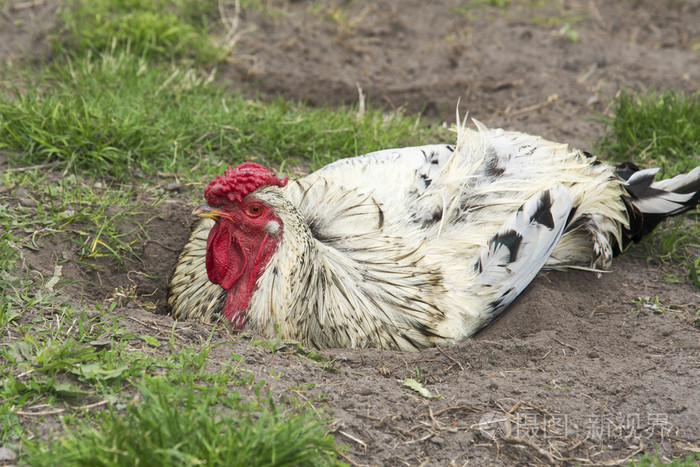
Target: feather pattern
512,258
408,248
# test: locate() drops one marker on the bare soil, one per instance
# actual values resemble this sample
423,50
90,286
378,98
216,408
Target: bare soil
575,372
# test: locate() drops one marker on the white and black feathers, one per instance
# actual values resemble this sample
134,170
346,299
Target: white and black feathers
412,247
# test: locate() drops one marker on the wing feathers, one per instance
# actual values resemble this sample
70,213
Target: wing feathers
514,256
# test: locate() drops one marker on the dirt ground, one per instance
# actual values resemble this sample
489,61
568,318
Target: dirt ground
575,372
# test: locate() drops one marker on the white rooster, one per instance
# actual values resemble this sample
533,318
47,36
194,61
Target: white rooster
408,248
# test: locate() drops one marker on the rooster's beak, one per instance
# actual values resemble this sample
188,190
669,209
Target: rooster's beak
204,210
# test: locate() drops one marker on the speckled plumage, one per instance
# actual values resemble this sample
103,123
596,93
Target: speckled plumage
408,248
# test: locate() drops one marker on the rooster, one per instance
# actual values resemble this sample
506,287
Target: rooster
409,248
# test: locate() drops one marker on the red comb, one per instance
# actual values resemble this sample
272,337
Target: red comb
236,183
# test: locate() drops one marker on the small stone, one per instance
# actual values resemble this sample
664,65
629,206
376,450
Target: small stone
174,186
7,455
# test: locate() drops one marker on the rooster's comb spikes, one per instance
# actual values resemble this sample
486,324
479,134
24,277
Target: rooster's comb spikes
236,183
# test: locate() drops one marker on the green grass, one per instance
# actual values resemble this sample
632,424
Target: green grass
117,114
153,29
653,460
676,241
654,130
8,258
167,426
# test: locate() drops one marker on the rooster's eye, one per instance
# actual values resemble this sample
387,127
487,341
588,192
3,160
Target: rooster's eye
254,210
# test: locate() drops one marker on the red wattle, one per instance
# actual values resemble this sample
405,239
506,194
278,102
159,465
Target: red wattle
239,295
225,260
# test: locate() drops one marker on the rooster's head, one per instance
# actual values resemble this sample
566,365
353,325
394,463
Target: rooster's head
245,234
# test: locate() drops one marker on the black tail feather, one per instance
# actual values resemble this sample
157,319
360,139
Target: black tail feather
648,203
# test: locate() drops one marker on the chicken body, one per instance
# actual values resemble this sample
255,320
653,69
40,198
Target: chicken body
408,248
